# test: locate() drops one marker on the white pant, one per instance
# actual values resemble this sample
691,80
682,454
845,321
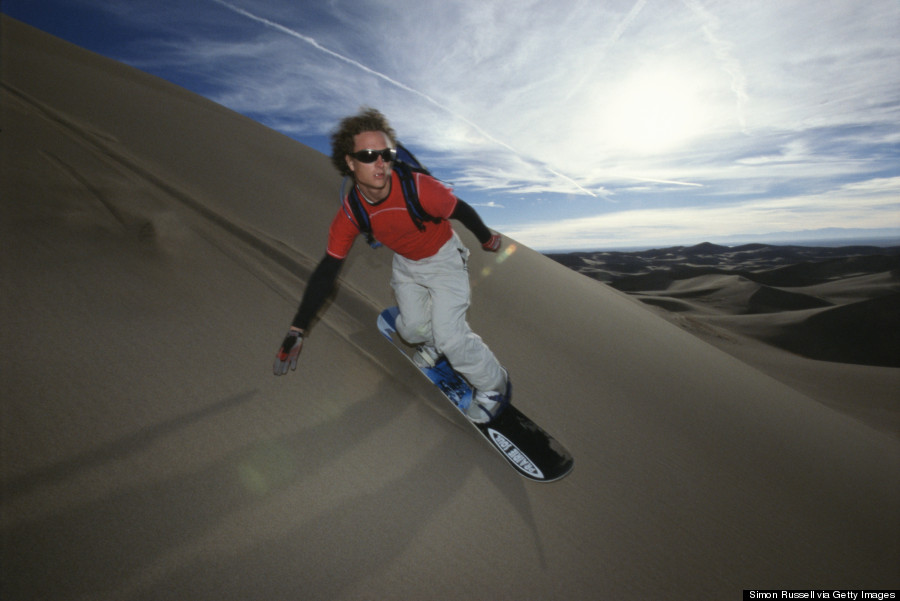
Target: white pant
433,295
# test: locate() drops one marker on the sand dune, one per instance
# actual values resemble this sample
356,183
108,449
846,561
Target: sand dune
155,245
827,316
863,332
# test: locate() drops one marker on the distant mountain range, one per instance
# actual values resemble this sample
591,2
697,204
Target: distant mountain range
829,236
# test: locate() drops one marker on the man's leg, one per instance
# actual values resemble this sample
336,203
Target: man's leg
414,302
450,299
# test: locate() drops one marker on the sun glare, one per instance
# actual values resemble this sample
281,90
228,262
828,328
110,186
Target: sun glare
501,257
653,111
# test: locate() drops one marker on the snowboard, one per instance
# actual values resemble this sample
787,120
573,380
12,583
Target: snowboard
526,446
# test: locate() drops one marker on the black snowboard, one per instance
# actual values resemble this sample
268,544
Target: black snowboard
525,445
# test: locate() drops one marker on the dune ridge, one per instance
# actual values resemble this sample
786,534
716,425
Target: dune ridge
156,245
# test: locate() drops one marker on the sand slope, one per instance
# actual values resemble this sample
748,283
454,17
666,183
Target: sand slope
823,320
155,245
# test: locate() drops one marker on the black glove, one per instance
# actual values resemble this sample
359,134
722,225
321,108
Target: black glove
288,353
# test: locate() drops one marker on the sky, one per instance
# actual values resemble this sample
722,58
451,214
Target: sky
569,125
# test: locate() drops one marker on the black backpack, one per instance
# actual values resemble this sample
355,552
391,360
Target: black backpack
406,166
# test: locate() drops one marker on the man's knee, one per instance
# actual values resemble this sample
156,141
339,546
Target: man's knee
413,331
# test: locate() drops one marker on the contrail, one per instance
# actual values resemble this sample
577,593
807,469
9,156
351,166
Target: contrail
662,181
620,29
722,50
600,53
312,42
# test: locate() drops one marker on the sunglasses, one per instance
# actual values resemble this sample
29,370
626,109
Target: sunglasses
370,156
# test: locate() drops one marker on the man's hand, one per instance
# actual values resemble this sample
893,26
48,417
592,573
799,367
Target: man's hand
288,353
492,245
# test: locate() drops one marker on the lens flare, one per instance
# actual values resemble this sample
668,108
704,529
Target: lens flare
506,253
501,257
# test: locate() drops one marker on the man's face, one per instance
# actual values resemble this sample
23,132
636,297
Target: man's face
372,178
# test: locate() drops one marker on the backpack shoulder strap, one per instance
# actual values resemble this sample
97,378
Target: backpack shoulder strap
407,175
405,156
358,214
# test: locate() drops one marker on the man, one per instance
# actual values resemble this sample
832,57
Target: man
430,277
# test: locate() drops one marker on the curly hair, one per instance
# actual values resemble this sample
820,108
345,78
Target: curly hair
368,119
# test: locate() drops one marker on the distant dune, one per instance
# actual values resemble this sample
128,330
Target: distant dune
155,247
828,304
857,290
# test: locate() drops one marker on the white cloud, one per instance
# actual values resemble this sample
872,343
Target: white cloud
866,205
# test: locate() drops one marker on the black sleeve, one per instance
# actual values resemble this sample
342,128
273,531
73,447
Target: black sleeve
320,286
465,214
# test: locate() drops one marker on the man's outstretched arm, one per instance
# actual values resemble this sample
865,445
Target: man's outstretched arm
469,217
321,285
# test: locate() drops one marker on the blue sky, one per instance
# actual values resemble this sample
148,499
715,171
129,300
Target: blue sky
569,124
